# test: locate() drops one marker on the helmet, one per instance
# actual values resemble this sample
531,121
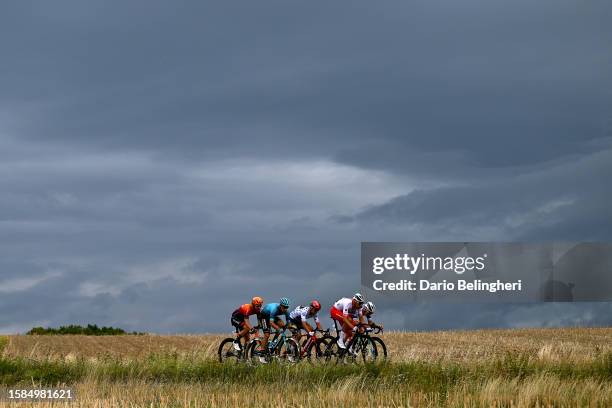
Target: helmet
257,301
369,307
284,302
358,297
315,305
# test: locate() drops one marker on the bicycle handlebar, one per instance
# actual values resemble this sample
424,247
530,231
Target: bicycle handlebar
376,329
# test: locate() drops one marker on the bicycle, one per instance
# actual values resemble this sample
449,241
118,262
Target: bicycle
313,347
227,351
281,348
362,344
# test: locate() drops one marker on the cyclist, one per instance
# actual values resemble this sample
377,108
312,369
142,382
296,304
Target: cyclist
344,311
270,316
301,314
240,319
367,311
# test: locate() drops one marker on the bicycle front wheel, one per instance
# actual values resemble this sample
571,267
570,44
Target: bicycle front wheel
289,351
365,351
227,352
381,348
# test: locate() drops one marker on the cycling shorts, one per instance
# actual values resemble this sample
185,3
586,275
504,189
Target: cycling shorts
339,317
238,322
337,314
297,323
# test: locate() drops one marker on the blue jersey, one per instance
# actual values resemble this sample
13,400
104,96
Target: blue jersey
272,311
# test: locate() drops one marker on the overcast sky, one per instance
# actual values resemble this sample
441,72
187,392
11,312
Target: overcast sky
162,162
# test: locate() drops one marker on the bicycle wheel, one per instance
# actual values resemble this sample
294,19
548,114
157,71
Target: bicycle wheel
227,352
366,351
381,348
331,351
345,355
315,353
356,351
254,354
289,352
352,351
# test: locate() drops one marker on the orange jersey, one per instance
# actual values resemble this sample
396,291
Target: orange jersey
245,310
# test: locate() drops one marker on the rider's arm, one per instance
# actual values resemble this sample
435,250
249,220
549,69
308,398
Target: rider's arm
245,312
307,326
304,320
273,324
317,321
346,314
374,325
349,321
361,318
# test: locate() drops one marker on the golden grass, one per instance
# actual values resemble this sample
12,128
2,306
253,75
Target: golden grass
571,344
541,391
544,347
125,346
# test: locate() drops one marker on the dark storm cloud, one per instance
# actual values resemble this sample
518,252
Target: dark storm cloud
208,79
160,163
569,198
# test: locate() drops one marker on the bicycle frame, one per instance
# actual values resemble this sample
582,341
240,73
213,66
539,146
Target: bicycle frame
311,340
278,340
359,337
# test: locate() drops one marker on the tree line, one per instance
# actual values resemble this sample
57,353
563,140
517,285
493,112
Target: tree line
89,330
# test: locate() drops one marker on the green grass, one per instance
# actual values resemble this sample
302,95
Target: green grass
427,376
3,343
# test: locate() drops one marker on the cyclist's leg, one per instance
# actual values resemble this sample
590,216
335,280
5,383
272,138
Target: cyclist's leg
277,324
297,323
336,327
347,330
336,316
241,330
265,327
338,319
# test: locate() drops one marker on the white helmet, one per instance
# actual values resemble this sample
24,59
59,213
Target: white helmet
358,297
369,307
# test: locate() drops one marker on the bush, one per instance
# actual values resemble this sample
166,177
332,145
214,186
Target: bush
89,330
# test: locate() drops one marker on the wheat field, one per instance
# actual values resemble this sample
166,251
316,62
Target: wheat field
518,367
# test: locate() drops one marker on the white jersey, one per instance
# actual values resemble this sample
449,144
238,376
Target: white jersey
345,305
364,312
301,313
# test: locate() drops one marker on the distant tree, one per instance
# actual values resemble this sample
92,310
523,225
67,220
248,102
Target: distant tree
89,330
